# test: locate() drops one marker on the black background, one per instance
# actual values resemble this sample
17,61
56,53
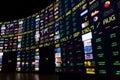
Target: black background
17,9
9,62
47,66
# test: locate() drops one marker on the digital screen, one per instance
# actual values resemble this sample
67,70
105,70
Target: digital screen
85,33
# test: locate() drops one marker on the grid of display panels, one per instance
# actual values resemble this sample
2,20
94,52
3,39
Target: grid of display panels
85,34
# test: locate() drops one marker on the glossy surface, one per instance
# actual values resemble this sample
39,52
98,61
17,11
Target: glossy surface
37,76
26,76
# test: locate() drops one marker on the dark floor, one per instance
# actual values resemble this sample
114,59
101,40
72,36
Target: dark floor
26,76
36,76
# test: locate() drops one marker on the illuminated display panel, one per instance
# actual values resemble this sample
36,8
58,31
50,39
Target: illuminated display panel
85,34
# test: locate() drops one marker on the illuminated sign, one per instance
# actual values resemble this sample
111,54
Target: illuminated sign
84,12
85,24
109,19
106,4
87,36
94,5
94,13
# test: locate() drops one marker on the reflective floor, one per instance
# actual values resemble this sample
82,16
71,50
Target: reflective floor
36,76
26,76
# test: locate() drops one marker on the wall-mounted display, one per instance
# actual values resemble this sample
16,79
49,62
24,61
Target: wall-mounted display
85,34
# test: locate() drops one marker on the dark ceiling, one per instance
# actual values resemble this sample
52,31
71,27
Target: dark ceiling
17,9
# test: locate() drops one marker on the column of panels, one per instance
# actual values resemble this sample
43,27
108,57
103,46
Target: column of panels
63,31
89,62
1,44
37,40
57,38
1,52
41,28
111,33
104,26
19,46
77,39
72,58
26,57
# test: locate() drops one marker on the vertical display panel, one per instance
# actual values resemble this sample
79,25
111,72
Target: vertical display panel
84,33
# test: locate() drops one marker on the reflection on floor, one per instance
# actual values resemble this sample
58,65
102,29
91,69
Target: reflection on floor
37,76
26,76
